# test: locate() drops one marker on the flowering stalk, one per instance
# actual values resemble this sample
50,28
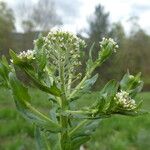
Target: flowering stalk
53,68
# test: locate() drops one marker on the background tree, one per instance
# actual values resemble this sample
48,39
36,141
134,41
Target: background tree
6,28
98,24
117,32
39,16
99,28
46,17
34,18
136,53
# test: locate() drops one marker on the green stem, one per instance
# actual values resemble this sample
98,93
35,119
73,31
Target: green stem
88,74
65,143
77,127
78,86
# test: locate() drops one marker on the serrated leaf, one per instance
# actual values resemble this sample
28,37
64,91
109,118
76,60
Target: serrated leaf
22,98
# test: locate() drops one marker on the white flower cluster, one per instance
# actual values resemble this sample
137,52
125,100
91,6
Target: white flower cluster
65,40
109,42
124,101
29,55
63,46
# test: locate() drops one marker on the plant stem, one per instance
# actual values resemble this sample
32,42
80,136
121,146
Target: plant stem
78,127
65,142
88,74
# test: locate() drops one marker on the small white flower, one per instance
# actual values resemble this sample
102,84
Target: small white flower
29,54
110,42
125,101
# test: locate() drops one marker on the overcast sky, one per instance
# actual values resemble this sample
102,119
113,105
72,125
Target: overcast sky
76,12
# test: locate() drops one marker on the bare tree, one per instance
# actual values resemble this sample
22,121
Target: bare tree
41,15
44,15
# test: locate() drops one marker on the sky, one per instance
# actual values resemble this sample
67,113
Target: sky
76,12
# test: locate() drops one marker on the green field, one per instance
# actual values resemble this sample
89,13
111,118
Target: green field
116,133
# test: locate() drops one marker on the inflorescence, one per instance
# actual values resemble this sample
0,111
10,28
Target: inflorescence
63,49
109,43
29,55
124,101
64,46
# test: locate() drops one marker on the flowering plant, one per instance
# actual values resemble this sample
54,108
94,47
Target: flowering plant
52,68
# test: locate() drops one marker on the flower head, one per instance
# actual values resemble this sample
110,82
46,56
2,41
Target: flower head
63,47
124,101
109,43
29,55
64,40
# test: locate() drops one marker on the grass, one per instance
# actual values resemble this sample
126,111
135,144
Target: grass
116,133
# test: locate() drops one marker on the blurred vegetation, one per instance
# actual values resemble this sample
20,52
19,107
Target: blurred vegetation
6,28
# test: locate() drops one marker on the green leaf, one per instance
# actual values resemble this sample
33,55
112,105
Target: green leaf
19,62
5,62
78,141
52,89
41,140
133,113
53,112
85,127
22,98
39,43
85,87
104,102
130,82
40,55
90,60
14,57
89,83
110,88
104,54
82,132
29,70
138,89
4,71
